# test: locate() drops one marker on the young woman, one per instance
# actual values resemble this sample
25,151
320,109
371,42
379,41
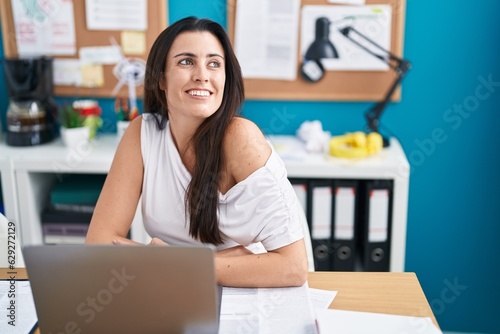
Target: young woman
206,175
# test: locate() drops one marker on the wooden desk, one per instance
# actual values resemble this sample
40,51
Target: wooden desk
391,293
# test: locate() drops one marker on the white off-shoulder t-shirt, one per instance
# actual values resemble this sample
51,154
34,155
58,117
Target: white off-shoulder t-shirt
261,208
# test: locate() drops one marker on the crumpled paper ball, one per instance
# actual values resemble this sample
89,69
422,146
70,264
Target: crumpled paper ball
312,134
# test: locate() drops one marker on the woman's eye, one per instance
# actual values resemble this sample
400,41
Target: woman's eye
186,62
214,64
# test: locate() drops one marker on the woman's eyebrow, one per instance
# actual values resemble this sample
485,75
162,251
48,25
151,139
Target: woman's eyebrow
182,54
189,54
214,55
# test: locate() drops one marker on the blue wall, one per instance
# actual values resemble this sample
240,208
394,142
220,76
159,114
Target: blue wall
454,214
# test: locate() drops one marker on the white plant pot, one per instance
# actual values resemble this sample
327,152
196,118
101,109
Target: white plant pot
74,138
121,126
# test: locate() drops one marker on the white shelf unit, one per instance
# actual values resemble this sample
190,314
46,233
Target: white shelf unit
390,164
30,172
8,184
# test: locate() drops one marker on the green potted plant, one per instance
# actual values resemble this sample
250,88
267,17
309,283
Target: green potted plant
70,118
83,118
73,131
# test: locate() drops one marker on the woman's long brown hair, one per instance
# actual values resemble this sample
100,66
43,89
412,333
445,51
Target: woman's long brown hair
202,196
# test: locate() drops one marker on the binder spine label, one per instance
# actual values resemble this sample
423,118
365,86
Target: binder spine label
322,213
344,213
378,215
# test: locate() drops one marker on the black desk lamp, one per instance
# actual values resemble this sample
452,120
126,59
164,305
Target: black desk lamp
312,70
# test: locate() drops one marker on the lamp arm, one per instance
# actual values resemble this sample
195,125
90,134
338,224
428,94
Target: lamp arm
401,66
373,114
389,58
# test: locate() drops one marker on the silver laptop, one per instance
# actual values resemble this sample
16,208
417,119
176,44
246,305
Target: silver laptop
123,289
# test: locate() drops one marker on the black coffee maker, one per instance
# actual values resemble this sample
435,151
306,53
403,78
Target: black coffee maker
32,111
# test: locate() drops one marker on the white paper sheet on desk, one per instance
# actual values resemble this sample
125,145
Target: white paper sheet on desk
24,315
351,322
266,310
321,299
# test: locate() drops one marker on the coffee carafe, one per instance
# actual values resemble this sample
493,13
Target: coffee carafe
32,111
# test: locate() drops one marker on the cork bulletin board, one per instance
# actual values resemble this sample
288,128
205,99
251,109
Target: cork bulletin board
156,23
335,85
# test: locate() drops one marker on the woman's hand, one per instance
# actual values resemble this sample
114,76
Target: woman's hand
157,242
125,241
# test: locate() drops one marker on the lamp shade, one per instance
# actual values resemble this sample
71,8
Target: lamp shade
322,47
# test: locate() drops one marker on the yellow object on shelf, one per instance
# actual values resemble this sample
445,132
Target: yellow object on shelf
356,145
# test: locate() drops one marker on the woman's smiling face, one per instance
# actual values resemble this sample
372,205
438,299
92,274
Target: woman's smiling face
195,76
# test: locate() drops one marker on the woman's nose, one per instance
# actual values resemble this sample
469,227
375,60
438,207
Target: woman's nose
200,74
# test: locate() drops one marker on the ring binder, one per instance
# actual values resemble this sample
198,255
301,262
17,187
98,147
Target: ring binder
319,212
376,225
344,223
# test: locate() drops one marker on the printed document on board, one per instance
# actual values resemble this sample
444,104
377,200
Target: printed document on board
266,38
44,28
116,15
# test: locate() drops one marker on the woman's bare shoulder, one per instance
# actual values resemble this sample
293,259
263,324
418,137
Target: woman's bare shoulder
135,125
130,144
242,128
245,148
